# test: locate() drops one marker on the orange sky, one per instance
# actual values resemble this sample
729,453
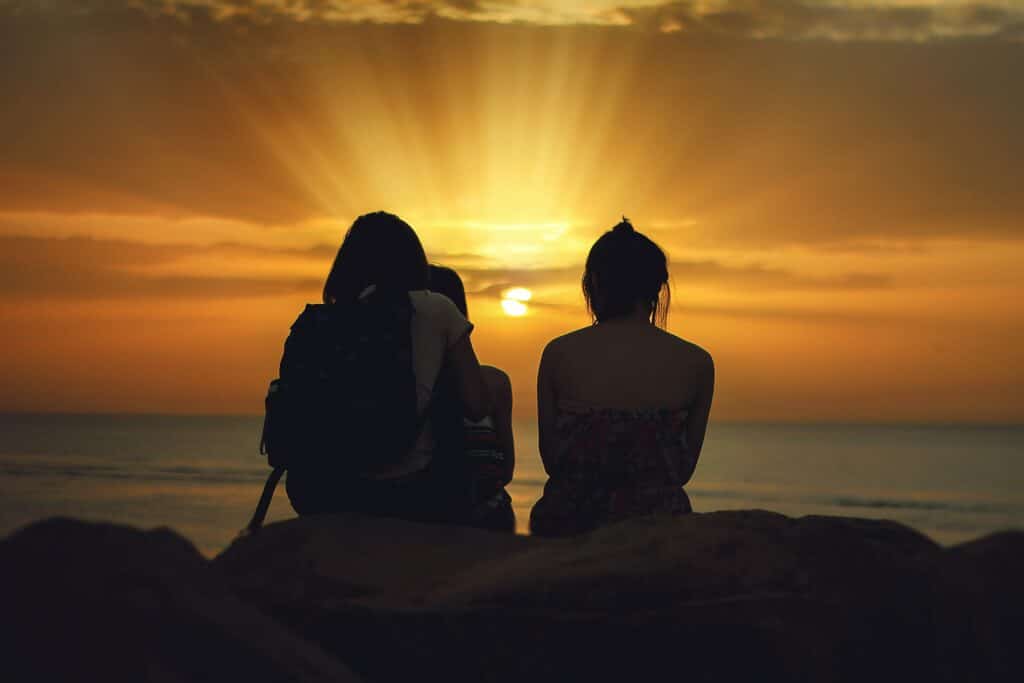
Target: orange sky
837,186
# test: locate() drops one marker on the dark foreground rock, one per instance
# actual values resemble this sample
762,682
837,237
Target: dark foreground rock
710,597
727,596
98,602
981,625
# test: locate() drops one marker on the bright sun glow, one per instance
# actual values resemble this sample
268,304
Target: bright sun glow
514,300
518,294
513,308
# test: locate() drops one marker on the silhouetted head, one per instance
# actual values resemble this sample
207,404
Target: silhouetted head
444,280
626,271
379,249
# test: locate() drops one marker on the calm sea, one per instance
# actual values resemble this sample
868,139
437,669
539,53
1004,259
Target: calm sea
202,475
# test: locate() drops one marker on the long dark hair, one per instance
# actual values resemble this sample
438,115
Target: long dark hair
444,280
626,268
379,249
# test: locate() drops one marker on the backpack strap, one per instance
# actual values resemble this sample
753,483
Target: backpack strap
261,508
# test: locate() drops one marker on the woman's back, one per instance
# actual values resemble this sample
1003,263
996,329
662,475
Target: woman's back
626,364
621,424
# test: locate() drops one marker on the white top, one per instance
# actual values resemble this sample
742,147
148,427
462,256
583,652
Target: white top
436,326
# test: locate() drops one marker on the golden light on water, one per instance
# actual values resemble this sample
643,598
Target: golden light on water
513,301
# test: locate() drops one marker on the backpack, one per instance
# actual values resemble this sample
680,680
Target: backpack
345,400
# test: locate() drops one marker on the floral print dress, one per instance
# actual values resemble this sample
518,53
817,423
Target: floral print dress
610,464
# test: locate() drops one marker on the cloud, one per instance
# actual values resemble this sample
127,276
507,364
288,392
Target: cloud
870,321
787,19
762,278
84,269
81,268
837,20
492,282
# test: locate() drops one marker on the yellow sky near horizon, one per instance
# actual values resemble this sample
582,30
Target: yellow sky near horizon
842,213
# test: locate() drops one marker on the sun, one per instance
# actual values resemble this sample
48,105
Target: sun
513,301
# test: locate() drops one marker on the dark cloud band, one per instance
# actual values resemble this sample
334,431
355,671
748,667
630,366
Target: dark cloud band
790,19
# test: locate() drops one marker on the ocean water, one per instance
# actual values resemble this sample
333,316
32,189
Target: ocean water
202,476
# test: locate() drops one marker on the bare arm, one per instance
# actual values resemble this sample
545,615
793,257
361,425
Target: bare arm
697,421
547,400
501,394
476,399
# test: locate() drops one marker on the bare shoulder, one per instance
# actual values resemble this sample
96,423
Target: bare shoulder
693,354
563,344
496,378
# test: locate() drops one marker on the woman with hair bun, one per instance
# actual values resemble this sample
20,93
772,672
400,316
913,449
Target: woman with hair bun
622,405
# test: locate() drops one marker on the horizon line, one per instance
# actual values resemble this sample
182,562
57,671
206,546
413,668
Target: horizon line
727,421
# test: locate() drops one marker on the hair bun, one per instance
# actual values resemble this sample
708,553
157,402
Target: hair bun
624,227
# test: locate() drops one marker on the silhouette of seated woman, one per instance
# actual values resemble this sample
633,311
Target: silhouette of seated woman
381,256
474,459
623,404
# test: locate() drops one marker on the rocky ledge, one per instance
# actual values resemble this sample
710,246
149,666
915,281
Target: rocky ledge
724,596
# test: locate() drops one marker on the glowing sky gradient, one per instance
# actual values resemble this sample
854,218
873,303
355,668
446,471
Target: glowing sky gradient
838,185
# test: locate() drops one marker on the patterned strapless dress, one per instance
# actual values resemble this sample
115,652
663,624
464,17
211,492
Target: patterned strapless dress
611,464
